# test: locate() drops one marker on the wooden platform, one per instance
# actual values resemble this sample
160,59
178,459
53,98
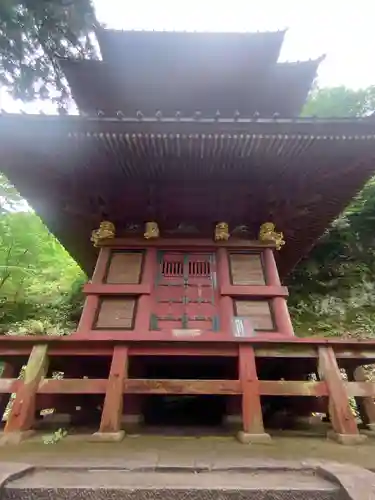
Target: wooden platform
321,356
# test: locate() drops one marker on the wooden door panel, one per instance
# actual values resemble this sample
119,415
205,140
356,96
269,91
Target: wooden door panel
185,295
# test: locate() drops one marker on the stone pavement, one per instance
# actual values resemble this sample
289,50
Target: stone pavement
204,452
156,467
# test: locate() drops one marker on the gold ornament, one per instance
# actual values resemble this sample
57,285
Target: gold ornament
106,231
151,230
222,231
267,233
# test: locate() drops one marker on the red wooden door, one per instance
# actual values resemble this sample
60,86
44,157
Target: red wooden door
185,293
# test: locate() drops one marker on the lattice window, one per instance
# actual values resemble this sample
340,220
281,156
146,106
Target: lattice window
171,269
200,268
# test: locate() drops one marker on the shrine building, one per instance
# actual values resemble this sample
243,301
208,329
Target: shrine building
187,187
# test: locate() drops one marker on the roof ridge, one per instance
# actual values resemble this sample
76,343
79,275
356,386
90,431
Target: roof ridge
316,60
203,32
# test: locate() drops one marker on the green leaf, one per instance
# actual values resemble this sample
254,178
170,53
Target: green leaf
32,34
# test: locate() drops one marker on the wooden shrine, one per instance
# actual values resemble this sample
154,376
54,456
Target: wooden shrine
201,188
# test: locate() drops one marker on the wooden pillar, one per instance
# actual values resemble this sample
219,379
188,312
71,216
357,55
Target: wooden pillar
101,266
279,304
88,314
92,301
252,419
345,428
365,404
226,302
21,417
110,425
10,370
142,321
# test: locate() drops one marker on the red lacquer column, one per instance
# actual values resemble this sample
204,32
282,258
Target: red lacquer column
113,401
10,370
142,322
92,300
226,302
279,304
252,418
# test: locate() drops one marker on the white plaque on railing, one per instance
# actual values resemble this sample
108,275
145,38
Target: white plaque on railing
186,332
242,327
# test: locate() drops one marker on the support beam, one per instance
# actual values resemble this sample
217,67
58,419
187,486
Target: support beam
254,291
366,404
292,388
117,289
73,386
22,415
181,386
252,418
187,244
110,425
345,428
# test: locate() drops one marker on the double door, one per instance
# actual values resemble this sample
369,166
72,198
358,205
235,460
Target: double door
185,295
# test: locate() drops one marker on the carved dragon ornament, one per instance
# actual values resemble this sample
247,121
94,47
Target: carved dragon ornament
267,233
106,231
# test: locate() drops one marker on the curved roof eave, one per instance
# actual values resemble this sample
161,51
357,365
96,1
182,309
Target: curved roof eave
114,44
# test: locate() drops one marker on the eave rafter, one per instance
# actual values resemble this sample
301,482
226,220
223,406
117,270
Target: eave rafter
30,126
187,73
117,46
214,122
300,173
281,89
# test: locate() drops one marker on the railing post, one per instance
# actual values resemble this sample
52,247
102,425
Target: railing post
10,370
22,414
110,425
366,404
252,419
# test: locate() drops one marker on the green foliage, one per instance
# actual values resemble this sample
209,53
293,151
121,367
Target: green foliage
33,33
40,284
340,102
55,437
9,197
332,290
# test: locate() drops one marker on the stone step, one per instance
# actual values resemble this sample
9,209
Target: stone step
334,482
104,483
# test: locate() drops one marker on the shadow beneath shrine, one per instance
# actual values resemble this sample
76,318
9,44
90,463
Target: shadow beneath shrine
186,410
